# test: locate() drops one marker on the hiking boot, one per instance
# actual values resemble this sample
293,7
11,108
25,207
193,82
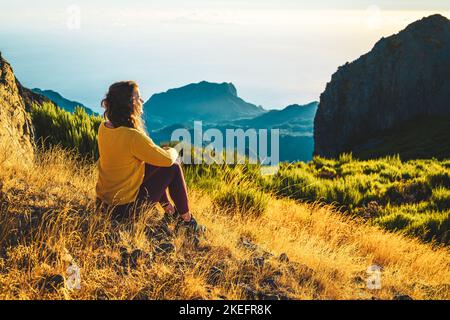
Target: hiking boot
159,232
170,218
192,228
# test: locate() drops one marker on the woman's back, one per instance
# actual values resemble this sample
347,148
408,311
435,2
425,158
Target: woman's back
119,171
114,146
123,154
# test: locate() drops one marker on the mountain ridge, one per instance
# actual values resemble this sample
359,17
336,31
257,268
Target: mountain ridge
61,101
293,112
203,101
295,123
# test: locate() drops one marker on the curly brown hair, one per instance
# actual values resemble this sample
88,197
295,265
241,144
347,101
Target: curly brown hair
122,108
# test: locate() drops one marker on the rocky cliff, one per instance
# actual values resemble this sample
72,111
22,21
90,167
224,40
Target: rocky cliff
405,77
15,125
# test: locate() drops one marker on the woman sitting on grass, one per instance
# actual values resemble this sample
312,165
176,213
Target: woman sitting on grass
133,170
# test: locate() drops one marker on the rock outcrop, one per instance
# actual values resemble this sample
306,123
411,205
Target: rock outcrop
15,125
404,77
29,97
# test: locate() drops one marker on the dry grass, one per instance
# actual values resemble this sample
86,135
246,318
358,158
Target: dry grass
48,221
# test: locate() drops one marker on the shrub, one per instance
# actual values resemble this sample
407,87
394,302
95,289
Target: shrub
441,178
394,222
345,158
292,183
56,127
343,194
446,164
431,227
349,169
390,173
326,173
441,198
410,171
409,192
372,167
415,221
245,201
319,162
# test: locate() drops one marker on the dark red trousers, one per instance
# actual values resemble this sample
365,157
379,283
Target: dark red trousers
157,182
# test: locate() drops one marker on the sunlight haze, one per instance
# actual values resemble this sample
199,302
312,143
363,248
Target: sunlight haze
275,52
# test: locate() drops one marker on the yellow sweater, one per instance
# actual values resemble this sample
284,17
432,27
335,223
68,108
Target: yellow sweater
121,166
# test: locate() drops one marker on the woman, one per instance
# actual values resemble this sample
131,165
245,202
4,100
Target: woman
132,168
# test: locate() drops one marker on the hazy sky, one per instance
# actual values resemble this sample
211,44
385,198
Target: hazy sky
275,52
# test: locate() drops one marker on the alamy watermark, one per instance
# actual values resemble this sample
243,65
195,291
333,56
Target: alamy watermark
73,273
374,277
73,20
73,281
229,146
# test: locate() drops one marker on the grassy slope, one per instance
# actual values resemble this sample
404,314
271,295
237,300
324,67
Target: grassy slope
328,253
412,197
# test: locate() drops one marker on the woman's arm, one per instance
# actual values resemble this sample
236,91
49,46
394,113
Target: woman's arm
143,148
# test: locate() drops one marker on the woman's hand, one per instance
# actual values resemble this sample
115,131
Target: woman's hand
174,154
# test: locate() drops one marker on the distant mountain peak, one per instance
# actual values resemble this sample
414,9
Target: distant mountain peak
429,27
433,21
203,88
202,101
226,86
